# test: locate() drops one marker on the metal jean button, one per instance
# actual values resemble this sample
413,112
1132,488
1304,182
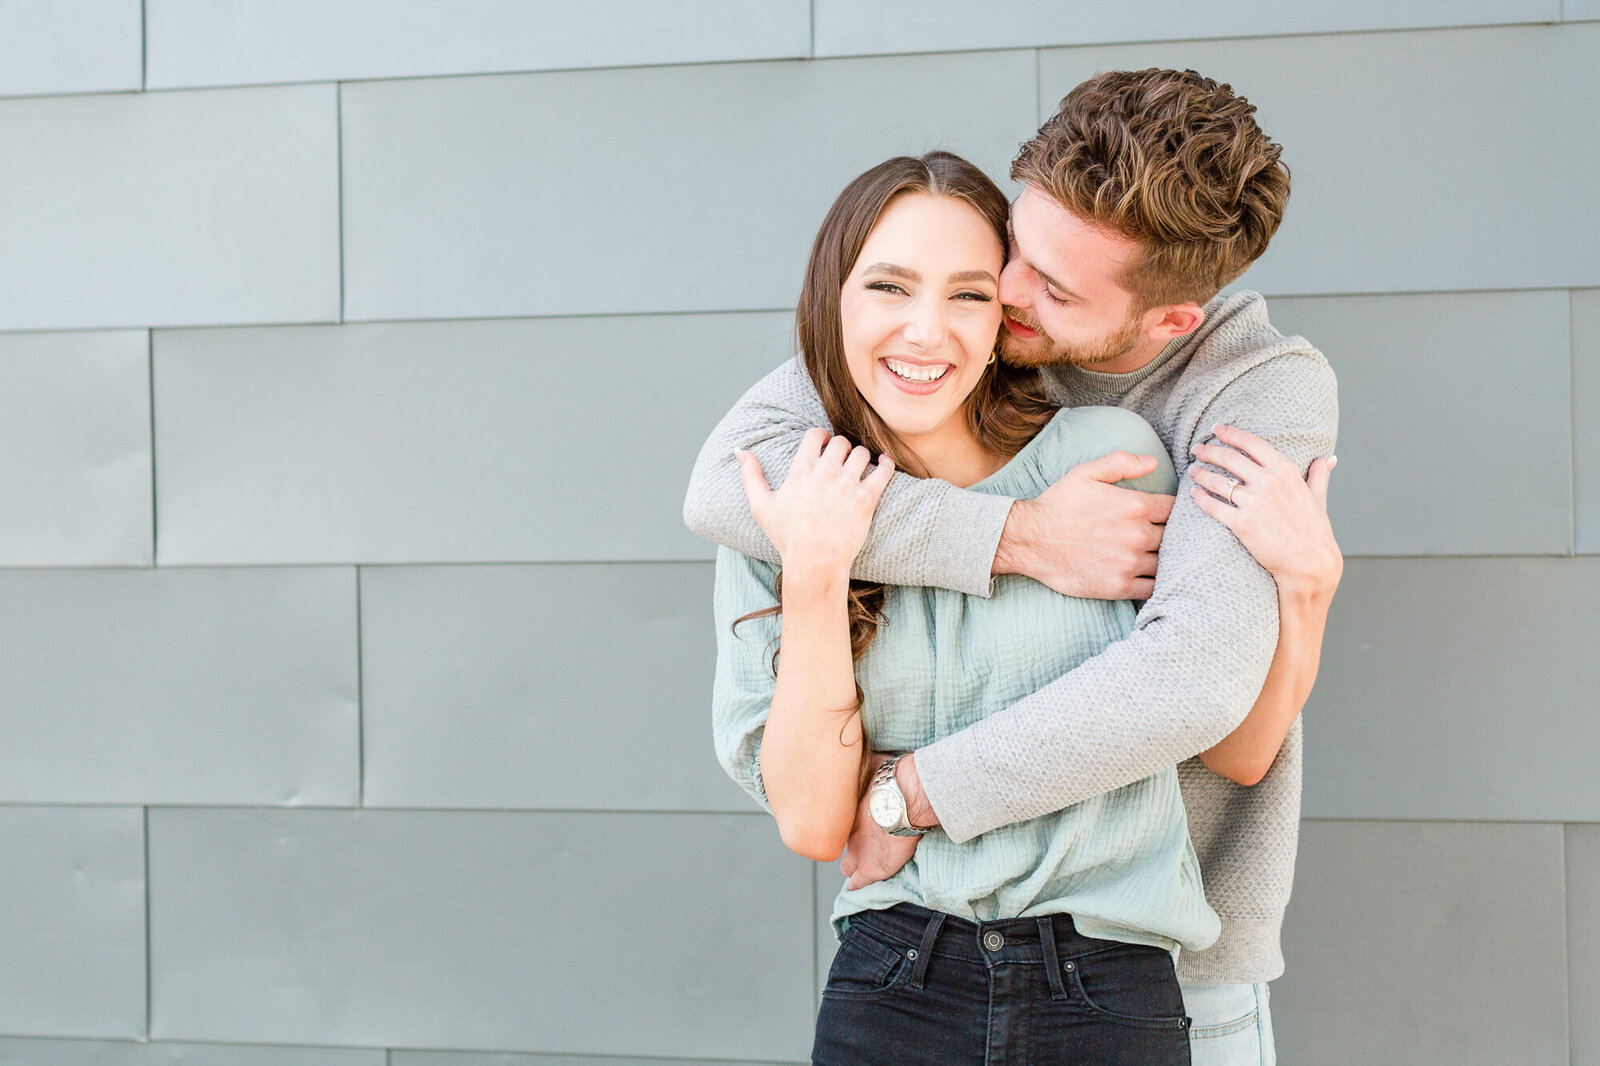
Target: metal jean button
993,940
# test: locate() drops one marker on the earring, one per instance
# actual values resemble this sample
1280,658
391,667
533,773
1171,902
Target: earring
992,356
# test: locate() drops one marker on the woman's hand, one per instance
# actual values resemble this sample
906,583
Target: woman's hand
819,518
1280,518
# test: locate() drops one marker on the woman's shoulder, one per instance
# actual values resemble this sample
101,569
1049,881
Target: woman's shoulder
742,583
1076,435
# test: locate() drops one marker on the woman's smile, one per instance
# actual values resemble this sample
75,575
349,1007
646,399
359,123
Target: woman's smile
917,378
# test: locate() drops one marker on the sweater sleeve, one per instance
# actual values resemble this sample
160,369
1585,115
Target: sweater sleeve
924,532
1187,675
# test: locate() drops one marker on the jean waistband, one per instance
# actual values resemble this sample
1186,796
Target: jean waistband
1001,940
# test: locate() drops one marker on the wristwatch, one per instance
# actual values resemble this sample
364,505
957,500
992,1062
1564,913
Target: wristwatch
887,804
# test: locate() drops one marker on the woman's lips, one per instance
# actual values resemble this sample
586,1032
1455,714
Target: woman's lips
916,388
1019,329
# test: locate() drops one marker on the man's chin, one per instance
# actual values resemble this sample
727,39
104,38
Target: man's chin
1028,352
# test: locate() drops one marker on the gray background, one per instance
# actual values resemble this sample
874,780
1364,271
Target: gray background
355,662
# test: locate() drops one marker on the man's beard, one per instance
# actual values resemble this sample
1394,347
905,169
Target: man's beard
1044,351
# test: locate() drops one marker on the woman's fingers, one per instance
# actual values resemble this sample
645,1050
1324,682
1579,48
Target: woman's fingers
754,481
878,480
1214,507
1317,477
856,463
1233,461
1213,482
837,451
813,442
1253,446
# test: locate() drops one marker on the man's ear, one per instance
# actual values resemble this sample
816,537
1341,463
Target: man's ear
1172,320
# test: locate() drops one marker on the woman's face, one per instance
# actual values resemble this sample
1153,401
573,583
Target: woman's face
920,311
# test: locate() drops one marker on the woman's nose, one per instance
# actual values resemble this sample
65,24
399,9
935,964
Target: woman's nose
926,327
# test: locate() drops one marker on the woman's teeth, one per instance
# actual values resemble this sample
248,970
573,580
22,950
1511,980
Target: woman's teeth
920,374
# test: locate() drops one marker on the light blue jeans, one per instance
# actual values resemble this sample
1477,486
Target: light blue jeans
1231,1025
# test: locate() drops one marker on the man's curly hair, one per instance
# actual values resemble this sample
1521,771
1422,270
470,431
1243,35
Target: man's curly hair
1172,160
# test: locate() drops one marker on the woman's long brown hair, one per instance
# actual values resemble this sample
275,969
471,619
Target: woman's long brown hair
1005,410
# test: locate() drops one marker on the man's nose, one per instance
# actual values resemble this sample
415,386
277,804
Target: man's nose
1013,288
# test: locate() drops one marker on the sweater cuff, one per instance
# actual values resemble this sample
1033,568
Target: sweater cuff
957,786
959,553
1248,952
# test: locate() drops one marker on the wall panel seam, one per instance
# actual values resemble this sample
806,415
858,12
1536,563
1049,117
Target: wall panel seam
149,968
150,372
338,133
361,707
1572,425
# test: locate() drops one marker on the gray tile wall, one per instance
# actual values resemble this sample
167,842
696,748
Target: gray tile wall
1586,417
69,46
203,42
75,449
845,28
72,931
449,183
1386,135
355,660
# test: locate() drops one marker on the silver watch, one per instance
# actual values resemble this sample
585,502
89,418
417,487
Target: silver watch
887,804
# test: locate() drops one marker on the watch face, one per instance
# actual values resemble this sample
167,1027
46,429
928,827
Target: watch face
885,807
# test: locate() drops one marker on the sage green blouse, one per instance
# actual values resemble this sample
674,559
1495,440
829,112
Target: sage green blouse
1120,863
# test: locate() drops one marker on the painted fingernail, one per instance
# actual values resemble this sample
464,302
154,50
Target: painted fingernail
1333,461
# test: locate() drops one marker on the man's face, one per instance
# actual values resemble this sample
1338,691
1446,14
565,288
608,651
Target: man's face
1063,298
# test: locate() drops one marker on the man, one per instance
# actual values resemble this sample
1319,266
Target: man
1143,196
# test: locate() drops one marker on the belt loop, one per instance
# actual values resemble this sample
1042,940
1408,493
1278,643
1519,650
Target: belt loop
1052,963
919,972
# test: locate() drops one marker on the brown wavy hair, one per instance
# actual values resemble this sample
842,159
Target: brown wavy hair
1005,410
1172,160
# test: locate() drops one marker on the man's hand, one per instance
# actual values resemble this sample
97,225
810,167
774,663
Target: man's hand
1086,535
871,855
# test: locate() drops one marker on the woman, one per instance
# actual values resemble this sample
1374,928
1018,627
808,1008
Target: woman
1054,934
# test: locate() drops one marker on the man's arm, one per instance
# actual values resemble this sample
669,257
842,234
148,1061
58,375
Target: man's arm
1084,537
925,531
1181,682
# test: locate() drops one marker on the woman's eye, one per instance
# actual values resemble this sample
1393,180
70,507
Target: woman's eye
886,286
980,297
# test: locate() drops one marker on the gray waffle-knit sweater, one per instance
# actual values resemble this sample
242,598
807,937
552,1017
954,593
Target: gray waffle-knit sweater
1186,676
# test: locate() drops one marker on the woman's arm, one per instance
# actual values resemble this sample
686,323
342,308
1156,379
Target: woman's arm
1282,520
812,751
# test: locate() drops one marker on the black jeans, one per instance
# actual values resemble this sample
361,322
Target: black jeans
912,987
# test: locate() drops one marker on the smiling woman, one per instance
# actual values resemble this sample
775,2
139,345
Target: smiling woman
897,329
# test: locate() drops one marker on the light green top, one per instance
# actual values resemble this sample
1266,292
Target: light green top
1120,863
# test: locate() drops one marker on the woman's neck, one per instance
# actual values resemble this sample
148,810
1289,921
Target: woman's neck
955,455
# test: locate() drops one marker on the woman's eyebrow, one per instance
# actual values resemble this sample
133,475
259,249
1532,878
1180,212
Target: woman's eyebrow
895,271
973,275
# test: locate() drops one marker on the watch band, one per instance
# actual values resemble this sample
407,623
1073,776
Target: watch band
885,783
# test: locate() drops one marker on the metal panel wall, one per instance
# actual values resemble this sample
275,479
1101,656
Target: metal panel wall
75,449
444,442
72,929
1586,418
179,686
1382,144
170,209
1397,930
670,189
1427,384
888,26
685,935
236,42
509,686
1459,689
69,46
